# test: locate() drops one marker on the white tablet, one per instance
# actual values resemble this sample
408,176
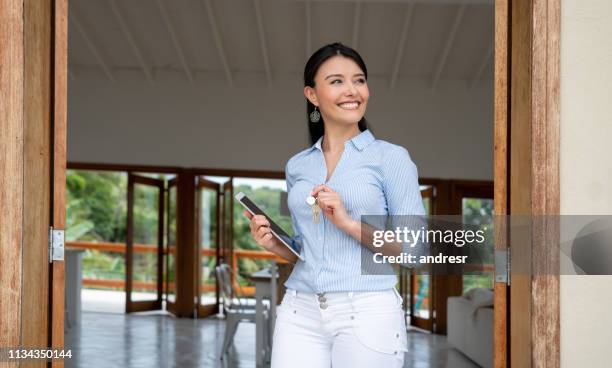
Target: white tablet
277,231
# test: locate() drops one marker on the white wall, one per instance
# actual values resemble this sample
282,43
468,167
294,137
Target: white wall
586,171
449,133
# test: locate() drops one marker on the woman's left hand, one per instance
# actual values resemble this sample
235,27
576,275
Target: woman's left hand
332,206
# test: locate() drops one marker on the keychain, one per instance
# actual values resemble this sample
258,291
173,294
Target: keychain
316,210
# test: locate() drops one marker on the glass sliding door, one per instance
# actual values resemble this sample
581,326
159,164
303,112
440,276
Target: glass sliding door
170,249
420,286
208,245
144,243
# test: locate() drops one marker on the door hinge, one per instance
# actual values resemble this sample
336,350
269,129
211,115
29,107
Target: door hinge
502,266
56,245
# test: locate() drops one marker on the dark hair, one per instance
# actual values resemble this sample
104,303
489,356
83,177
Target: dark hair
316,130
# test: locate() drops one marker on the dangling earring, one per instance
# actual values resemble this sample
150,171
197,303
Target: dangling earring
315,116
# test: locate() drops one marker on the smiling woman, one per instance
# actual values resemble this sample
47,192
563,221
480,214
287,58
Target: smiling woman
333,314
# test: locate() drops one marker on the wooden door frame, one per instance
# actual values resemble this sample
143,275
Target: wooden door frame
527,181
33,67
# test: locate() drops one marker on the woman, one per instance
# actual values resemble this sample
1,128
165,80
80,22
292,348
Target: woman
333,315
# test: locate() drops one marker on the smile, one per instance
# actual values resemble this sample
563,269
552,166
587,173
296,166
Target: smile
354,105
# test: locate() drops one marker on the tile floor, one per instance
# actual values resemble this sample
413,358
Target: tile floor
160,340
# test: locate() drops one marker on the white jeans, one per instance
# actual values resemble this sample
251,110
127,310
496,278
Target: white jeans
340,330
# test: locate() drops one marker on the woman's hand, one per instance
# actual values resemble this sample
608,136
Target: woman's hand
332,206
260,229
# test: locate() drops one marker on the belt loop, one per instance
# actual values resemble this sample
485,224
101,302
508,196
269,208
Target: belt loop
293,297
352,300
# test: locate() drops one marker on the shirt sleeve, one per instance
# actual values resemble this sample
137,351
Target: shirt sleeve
296,240
401,184
404,202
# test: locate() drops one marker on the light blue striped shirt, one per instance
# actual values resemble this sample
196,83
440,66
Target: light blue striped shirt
373,177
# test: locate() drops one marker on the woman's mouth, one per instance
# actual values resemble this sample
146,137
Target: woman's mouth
353,105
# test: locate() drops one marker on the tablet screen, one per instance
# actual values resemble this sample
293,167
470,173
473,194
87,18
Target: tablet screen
277,230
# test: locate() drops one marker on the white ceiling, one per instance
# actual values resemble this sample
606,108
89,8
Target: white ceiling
436,40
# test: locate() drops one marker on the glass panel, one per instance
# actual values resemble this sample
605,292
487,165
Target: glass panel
208,245
96,213
477,211
171,246
146,216
421,296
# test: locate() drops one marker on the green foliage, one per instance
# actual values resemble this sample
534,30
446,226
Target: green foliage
268,199
96,211
477,281
96,205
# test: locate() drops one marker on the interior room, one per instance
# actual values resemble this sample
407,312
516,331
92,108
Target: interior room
176,106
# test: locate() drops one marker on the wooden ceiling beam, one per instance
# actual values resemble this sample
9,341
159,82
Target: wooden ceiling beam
356,24
308,21
130,38
175,42
399,55
482,66
262,41
214,28
76,23
448,46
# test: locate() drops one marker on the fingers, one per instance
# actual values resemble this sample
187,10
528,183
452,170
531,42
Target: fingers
248,214
262,231
328,198
320,188
257,222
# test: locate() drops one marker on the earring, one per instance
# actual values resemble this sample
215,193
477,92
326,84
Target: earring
315,116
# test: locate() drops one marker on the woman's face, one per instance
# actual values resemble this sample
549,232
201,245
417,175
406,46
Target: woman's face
340,91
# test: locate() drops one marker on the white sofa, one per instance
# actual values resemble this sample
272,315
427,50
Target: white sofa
470,325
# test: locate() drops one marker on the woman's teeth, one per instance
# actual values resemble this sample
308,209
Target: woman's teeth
349,105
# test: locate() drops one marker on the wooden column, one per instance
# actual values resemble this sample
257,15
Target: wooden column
534,181
186,259
11,170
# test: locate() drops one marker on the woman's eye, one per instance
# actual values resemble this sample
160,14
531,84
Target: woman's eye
336,81
360,81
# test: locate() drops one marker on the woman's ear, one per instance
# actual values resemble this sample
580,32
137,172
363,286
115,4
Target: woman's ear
311,95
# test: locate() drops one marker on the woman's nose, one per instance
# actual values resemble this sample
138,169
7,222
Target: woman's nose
351,90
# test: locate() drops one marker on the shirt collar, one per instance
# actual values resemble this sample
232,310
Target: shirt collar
360,141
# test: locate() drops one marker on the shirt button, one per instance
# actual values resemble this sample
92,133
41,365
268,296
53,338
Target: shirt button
323,306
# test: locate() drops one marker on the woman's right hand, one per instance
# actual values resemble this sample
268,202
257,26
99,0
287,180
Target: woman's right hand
260,229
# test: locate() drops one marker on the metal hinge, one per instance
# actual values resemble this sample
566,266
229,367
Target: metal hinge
502,266
56,245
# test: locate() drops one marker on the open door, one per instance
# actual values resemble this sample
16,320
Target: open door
33,91
144,251
227,229
417,290
208,234
170,247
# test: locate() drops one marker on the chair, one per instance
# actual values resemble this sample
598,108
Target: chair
235,309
